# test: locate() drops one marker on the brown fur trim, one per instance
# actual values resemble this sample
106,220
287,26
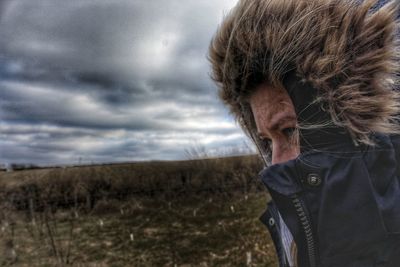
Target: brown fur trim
345,49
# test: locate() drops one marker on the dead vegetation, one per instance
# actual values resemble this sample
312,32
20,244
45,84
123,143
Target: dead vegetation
189,213
66,187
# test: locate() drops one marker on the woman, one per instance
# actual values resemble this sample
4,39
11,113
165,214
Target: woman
313,84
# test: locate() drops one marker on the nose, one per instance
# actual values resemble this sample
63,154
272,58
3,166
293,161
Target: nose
283,150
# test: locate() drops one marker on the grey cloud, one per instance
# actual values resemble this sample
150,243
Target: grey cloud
108,80
35,104
54,145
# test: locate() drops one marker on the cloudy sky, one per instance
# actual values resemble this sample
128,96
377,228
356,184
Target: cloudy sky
109,81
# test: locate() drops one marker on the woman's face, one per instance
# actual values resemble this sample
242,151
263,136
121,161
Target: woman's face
275,118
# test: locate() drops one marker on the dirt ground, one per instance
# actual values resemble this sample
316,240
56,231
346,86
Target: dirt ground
221,230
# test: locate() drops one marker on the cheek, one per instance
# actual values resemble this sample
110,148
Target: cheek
294,151
293,147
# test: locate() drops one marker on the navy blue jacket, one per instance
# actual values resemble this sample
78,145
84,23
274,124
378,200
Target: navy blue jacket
342,204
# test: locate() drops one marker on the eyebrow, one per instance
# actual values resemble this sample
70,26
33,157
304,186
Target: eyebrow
276,122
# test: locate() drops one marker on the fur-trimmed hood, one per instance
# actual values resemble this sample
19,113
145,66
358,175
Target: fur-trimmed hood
347,49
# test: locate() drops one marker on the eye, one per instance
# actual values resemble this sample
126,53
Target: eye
288,132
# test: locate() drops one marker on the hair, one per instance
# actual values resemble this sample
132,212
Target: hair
347,49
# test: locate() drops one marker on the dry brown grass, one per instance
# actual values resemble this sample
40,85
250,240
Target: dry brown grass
193,231
84,186
188,213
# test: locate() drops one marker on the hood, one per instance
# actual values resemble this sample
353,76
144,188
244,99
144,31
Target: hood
346,49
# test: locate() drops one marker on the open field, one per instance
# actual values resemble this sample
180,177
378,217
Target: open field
78,185
196,232
50,218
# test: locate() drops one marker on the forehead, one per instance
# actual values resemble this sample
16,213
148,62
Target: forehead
271,108
269,100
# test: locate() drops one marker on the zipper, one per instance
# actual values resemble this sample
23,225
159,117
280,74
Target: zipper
306,225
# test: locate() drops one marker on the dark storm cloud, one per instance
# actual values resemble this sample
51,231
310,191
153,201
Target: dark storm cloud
108,80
